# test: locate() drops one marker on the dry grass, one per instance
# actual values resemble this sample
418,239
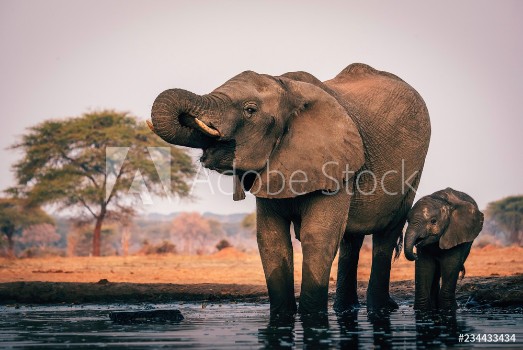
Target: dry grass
228,266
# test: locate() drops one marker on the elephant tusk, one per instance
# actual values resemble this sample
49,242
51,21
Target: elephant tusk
207,129
150,125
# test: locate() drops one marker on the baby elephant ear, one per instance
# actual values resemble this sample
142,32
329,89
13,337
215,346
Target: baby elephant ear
466,221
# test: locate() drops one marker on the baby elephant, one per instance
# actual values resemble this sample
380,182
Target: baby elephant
442,226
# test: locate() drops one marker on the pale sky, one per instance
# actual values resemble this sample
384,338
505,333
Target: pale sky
63,58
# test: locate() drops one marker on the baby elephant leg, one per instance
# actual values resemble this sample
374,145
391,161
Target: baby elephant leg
451,263
426,275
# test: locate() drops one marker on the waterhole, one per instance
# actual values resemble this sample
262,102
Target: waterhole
247,326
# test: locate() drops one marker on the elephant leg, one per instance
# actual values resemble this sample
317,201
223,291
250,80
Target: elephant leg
425,277
451,262
383,244
274,243
324,218
434,291
347,280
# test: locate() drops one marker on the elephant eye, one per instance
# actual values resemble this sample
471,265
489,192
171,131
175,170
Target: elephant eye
433,221
250,109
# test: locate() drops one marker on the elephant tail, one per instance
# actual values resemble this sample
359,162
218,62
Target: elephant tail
398,247
462,272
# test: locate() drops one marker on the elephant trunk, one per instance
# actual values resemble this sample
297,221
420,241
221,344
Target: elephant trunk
411,236
178,118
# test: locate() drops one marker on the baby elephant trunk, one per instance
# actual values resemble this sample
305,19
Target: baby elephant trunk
411,236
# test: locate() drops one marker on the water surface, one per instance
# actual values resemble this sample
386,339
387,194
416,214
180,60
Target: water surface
246,326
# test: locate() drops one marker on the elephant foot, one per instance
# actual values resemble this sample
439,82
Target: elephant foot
377,304
283,311
448,307
346,299
346,307
312,304
316,320
423,308
305,310
348,312
282,318
282,307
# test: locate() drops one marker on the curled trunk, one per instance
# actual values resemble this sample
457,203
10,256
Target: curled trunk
175,118
410,239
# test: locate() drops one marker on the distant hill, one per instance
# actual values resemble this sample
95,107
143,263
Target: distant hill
229,218
225,219
158,217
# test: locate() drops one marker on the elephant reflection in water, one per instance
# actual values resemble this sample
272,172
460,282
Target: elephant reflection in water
349,329
280,333
429,329
382,330
434,329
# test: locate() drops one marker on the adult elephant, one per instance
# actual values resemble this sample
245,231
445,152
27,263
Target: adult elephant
338,160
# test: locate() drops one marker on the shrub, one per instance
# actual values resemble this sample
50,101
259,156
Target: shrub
36,252
165,247
223,244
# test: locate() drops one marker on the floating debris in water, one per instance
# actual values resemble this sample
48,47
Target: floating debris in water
146,316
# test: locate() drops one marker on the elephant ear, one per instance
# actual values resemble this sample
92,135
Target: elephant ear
320,142
466,221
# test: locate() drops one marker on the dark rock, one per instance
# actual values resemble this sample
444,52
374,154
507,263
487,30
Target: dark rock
145,316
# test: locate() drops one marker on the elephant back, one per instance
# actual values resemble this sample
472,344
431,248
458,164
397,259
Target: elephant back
394,124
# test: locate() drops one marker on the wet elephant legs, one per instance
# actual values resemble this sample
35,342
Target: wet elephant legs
322,222
432,265
347,280
383,244
427,283
451,263
274,243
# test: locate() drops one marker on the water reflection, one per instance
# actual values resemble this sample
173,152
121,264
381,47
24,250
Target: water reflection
349,329
381,327
316,332
247,325
433,329
279,333
358,330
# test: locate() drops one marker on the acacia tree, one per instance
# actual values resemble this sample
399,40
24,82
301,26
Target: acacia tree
69,163
17,215
508,214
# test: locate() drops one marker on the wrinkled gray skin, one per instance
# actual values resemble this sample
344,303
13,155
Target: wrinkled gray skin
301,135
442,227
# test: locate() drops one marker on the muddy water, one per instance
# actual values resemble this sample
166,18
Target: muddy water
246,326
